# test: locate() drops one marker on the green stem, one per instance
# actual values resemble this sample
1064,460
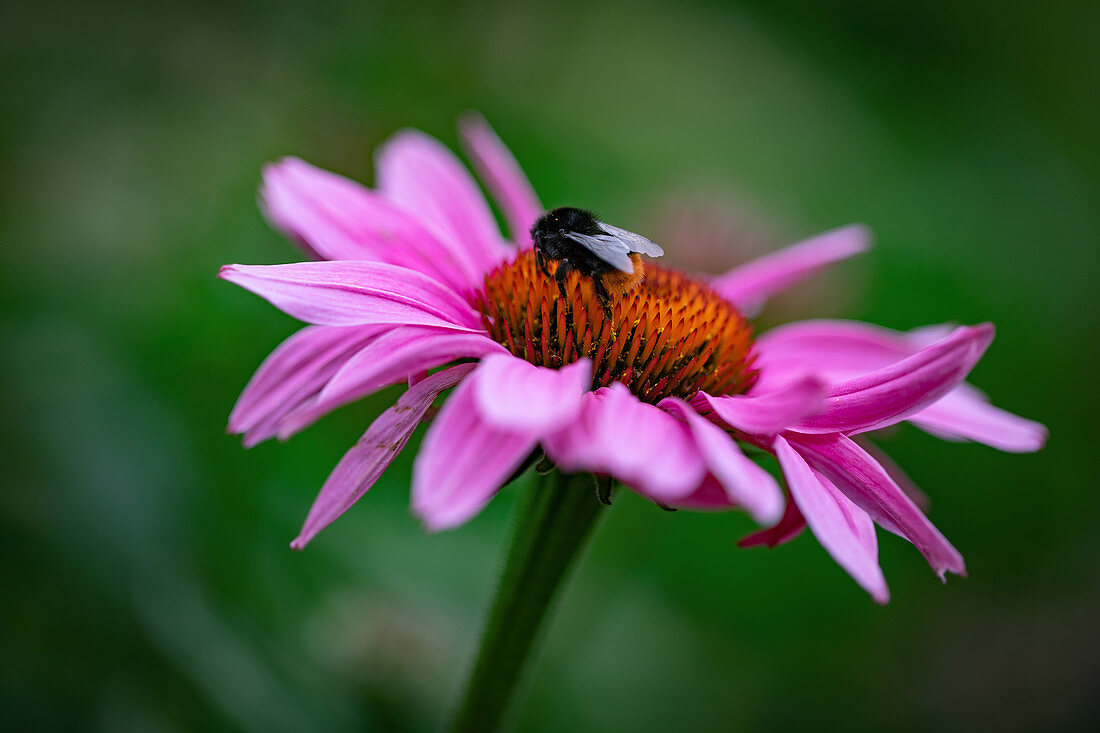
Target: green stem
558,514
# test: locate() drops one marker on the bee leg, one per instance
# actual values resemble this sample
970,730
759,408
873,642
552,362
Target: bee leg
603,296
564,268
541,262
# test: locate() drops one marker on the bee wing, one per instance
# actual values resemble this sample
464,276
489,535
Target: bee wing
607,247
634,242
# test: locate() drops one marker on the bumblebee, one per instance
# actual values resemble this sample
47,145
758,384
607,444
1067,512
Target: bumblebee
578,242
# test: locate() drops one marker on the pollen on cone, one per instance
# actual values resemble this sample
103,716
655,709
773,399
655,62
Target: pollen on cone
669,336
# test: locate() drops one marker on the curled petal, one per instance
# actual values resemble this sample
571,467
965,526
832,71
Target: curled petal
502,175
746,484
420,174
833,350
371,456
842,528
635,442
346,293
918,338
512,394
463,461
751,284
843,350
891,394
868,485
769,413
403,352
339,219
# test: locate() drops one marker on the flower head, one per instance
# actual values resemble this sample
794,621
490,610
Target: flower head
669,336
660,391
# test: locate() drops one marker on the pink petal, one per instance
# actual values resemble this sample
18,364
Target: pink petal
514,395
867,484
296,370
635,442
502,175
710,496
365,462
463,461
749,285
964,415
420,174
842,528
393,357
789,526
340,219
830,349
769,413
891,394
346,293
842,350
894,471
747,484
918,338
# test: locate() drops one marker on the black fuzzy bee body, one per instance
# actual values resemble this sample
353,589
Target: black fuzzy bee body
578,242
551,242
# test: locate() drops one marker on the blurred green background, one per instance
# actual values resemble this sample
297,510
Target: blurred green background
146,581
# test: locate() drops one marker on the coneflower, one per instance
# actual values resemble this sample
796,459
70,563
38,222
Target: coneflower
659,391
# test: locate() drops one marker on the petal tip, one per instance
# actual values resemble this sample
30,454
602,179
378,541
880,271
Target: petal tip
956,567
434,521
1038,438
403,137
861,238
270,171
984,333
274,175
431,514
1032,438
769,513
471,121
754,540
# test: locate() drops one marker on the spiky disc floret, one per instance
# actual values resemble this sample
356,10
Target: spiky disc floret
669,336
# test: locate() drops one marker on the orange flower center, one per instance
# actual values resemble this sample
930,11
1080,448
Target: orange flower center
668,336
